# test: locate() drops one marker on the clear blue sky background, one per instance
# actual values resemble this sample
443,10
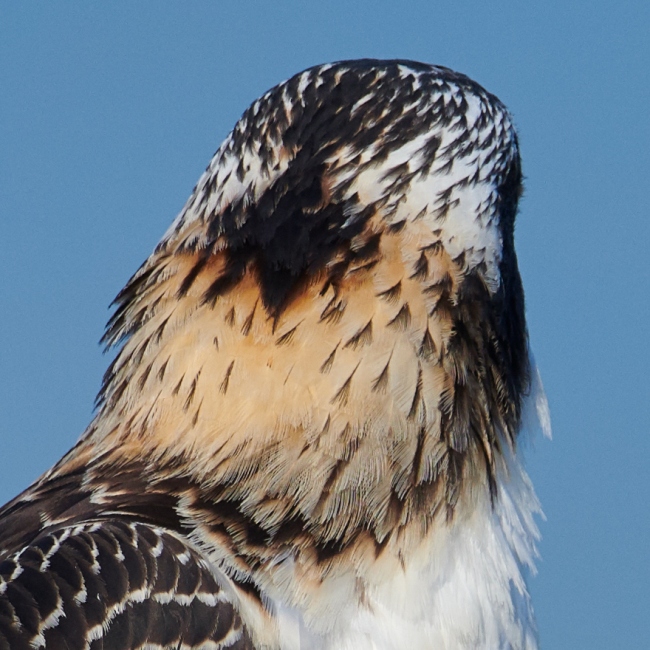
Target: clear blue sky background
110,111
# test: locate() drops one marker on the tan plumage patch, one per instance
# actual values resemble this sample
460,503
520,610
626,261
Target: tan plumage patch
255,402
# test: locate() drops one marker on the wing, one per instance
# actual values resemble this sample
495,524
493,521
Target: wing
114,584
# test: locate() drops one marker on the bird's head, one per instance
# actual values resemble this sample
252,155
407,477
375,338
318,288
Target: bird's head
339,296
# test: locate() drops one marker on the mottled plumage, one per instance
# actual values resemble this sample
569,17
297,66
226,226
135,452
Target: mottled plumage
309,436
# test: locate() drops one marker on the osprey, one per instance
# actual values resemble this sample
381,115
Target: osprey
310,435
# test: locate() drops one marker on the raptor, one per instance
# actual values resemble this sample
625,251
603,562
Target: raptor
310,435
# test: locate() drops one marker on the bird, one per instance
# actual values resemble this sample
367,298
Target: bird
311,433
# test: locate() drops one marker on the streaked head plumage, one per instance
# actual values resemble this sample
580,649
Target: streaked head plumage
364,212
319,155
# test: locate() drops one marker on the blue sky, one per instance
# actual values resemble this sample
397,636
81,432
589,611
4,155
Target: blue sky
110,111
